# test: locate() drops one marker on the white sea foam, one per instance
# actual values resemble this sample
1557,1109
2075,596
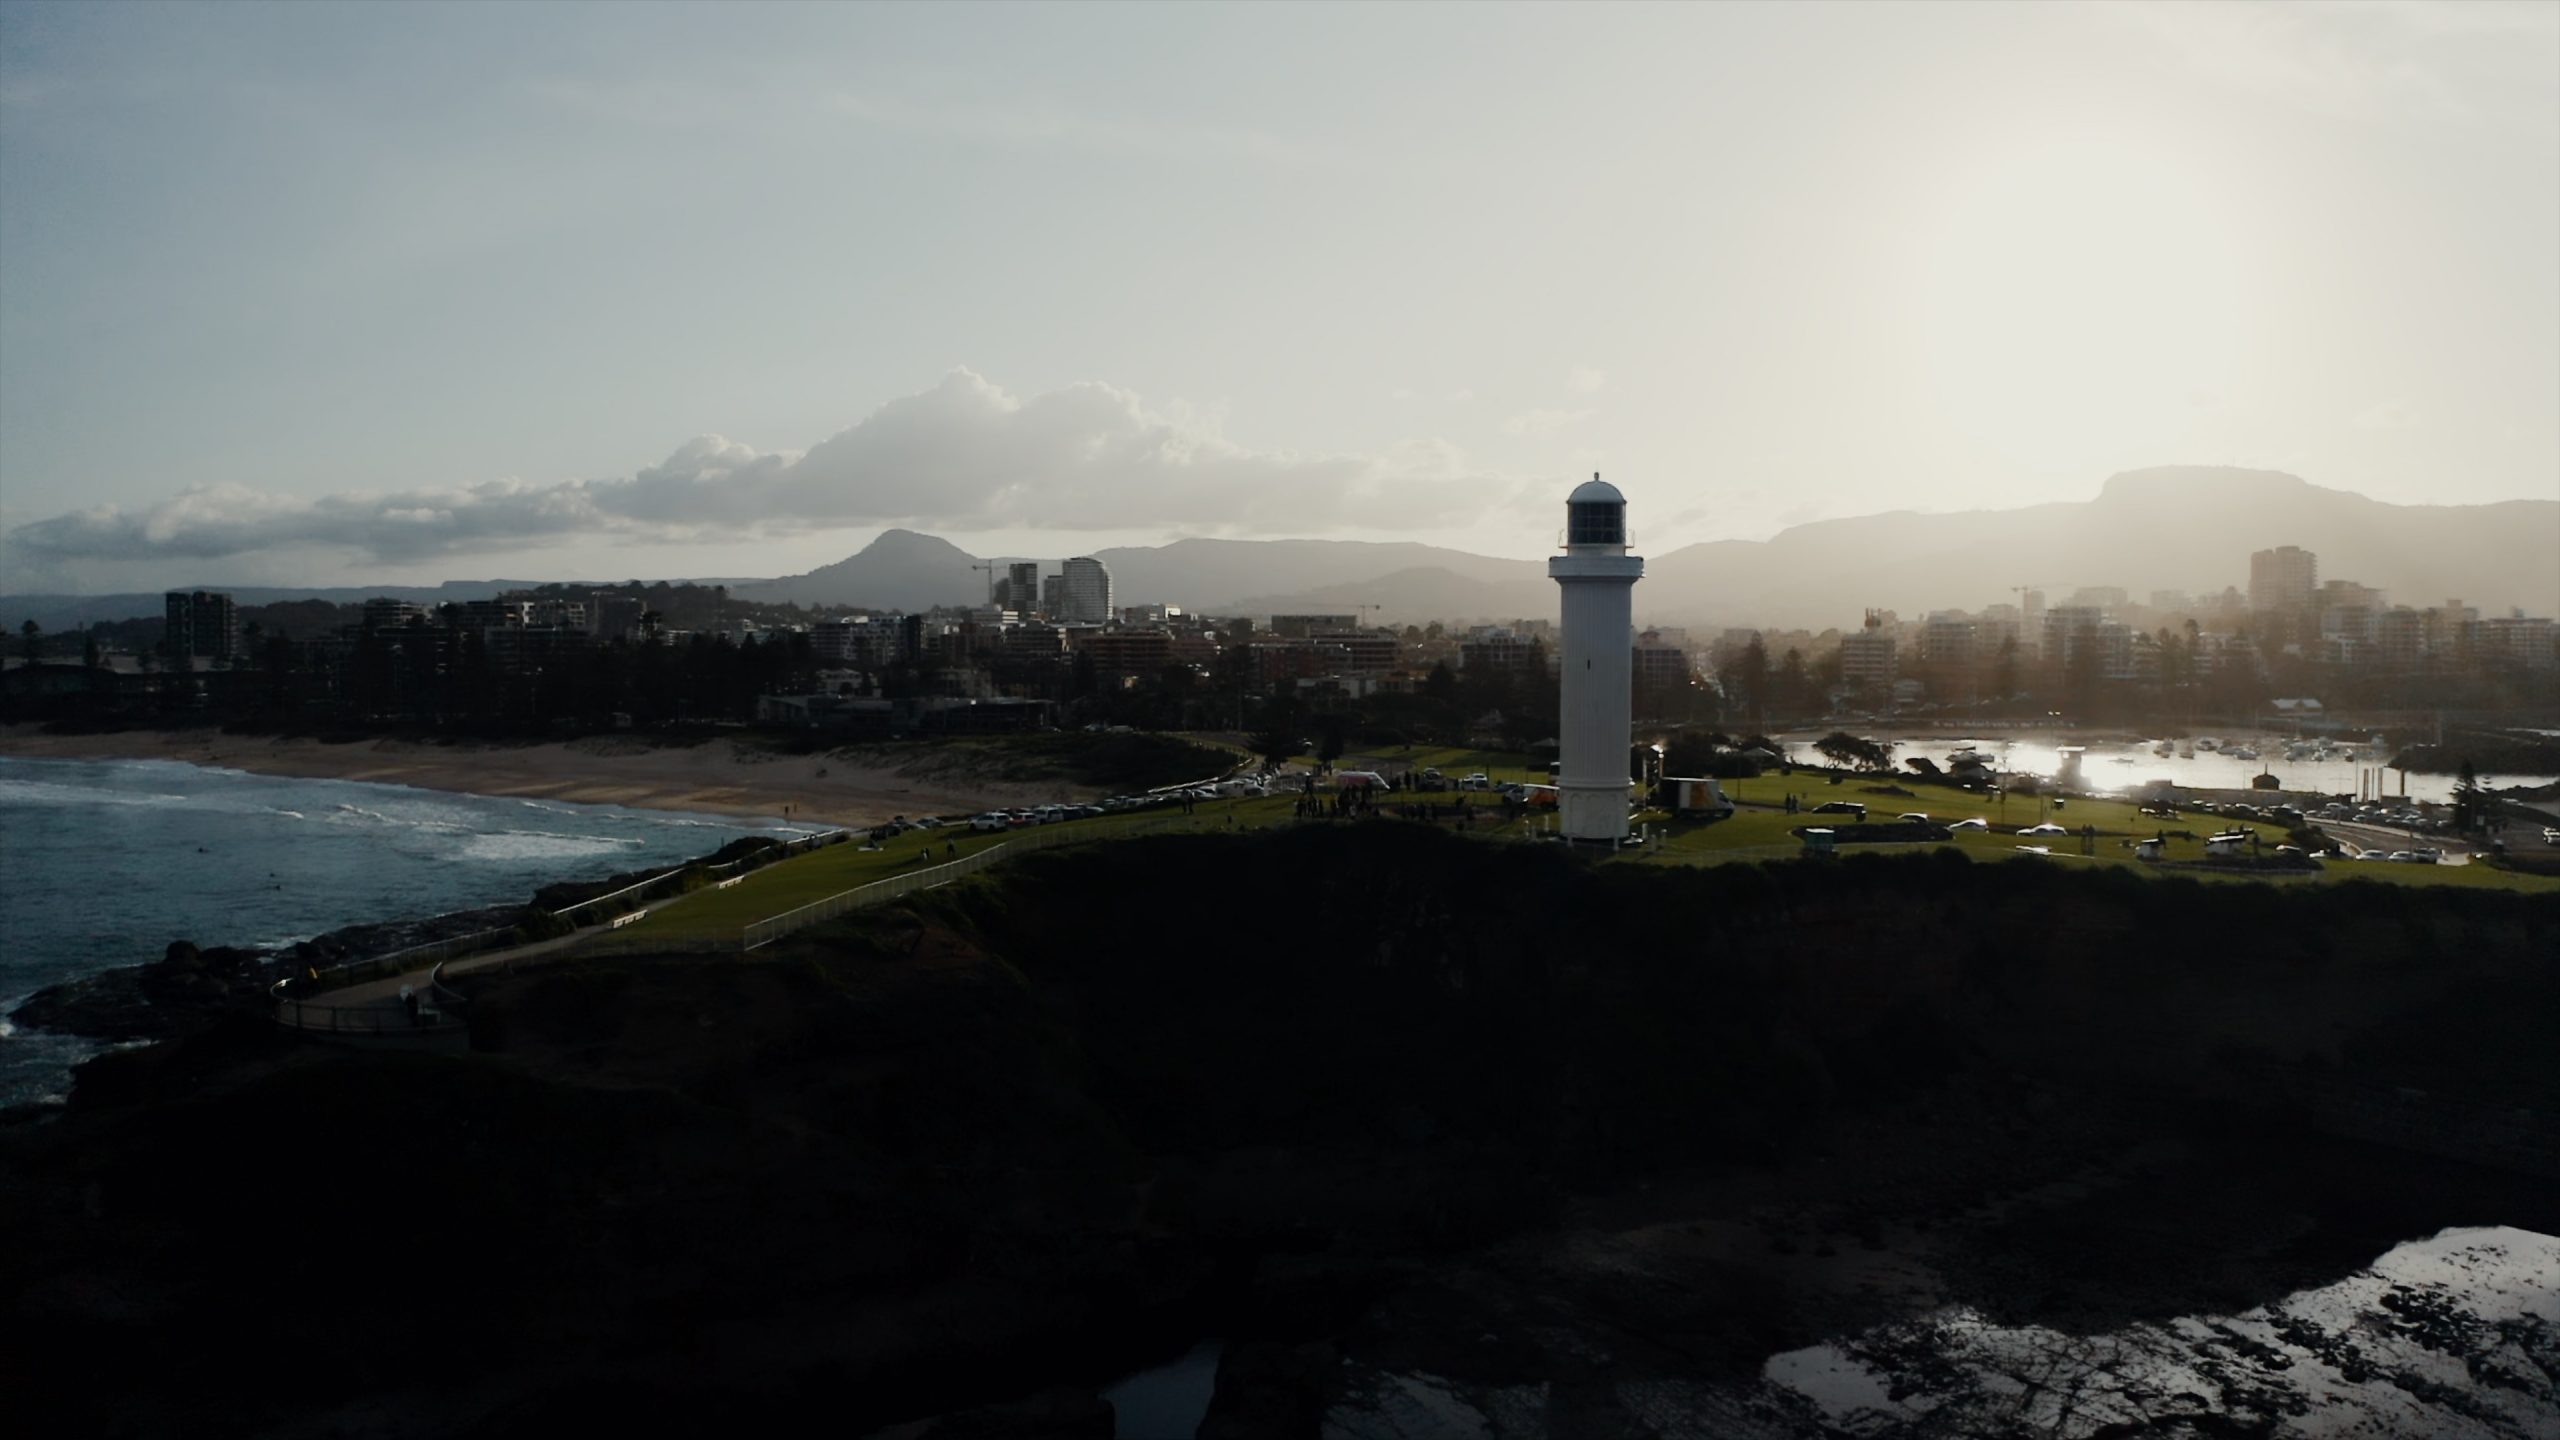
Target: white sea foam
520,845
50,795
162,849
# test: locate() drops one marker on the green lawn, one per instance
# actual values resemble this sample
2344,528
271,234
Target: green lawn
1754,828
1453,761
1757,829
777,889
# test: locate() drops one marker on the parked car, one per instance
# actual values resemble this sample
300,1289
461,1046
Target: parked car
1477,781
1976,823
992,820
2551,834
2047,828
1914,816
1839,807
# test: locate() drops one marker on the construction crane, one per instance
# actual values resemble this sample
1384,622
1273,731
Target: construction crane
1364,611
990,567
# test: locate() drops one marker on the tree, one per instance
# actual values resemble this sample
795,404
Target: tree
31,637
2004,673
1329,741
1282,733
90,654
2472,804
1793,688
1745,678
1842,748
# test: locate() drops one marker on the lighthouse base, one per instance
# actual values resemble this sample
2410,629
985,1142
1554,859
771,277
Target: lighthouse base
1592,812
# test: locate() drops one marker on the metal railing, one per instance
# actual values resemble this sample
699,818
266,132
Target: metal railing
382,1015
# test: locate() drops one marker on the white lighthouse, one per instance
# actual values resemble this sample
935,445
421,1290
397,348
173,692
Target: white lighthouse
1599,580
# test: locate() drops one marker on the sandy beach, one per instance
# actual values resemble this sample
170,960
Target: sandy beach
719,777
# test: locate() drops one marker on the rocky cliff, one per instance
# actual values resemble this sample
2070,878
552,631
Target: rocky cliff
1365,1101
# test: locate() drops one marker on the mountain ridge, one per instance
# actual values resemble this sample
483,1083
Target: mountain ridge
2188,528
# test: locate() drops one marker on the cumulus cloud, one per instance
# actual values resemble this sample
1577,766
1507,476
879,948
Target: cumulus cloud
965,455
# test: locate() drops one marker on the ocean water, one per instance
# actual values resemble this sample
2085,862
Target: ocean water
107,861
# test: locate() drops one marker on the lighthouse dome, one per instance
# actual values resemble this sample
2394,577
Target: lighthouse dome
1595,514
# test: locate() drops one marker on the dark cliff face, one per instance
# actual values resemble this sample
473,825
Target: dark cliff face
1057,1119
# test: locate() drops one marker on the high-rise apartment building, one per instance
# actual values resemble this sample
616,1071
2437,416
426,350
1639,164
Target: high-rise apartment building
1084,592
1019,591
1867,658
201,623
2284,578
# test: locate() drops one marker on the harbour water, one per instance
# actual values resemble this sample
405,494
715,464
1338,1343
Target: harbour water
2118,766
110,860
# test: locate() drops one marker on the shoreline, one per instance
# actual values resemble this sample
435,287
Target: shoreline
716,777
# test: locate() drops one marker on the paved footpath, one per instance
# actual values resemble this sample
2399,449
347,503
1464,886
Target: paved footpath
385,991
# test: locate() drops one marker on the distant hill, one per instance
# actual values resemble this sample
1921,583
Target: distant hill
900,569
1420,594
2175,528
1215,574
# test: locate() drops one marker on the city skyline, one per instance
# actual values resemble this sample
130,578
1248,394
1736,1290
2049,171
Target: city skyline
486,300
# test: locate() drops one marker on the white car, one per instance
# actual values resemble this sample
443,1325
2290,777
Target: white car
2047,828
1913,815
1976,823
992,820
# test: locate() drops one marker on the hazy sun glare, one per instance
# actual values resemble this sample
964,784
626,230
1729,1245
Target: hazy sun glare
2079,294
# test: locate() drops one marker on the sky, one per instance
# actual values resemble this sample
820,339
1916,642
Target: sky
394,294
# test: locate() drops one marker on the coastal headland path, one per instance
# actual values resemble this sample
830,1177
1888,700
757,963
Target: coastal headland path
746,910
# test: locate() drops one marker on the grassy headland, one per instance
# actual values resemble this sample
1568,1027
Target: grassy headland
1363,1093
